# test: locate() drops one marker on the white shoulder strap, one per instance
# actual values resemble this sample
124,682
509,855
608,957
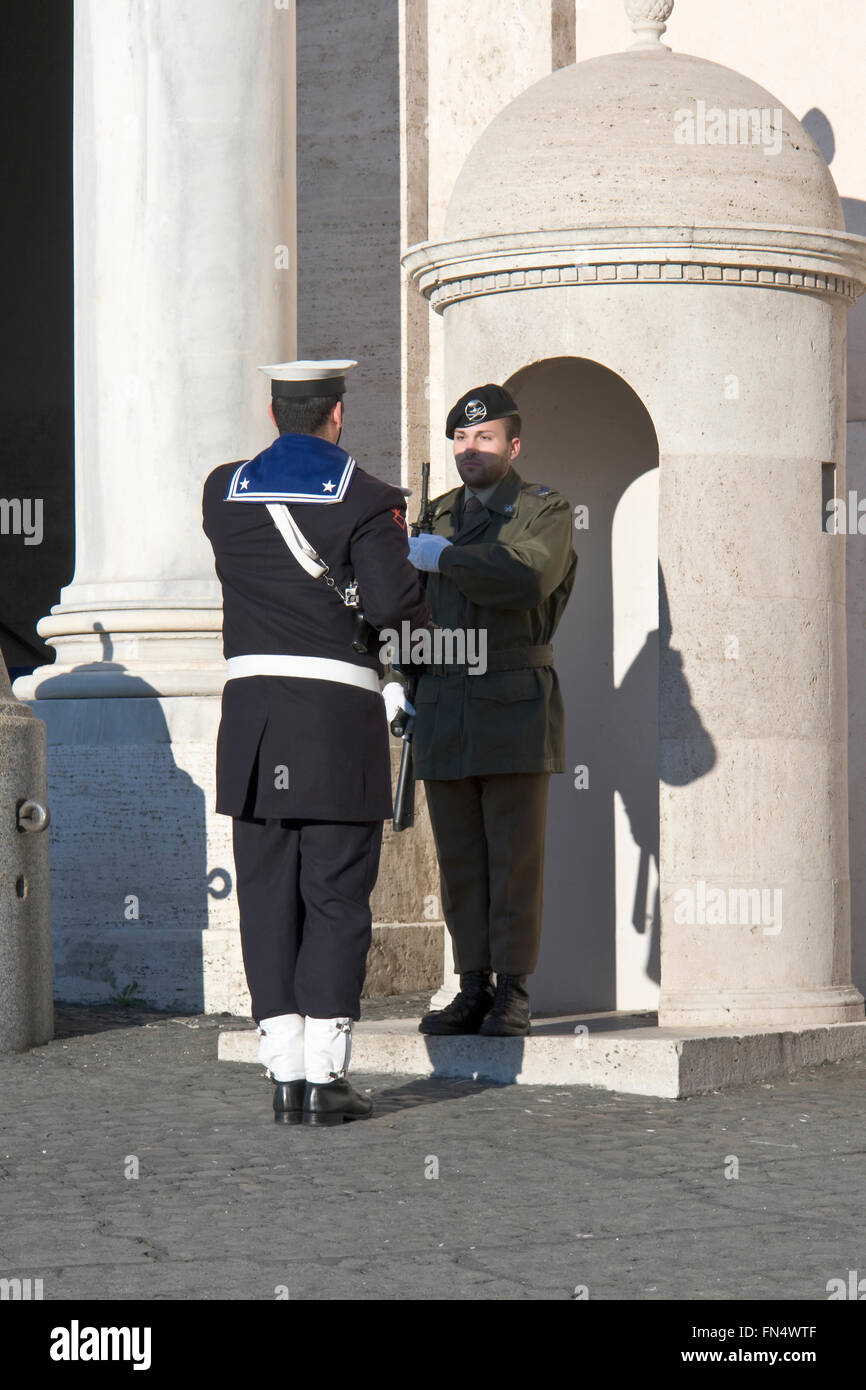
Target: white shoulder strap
295,539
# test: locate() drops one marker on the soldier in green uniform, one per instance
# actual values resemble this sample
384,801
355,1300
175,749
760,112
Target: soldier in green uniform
488,735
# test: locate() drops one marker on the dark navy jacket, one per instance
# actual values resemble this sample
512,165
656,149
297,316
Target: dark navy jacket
331,738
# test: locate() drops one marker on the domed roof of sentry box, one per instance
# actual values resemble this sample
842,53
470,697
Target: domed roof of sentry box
607,143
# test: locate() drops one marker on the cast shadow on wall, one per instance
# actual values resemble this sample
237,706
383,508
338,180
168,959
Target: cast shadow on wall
122,930
637,769
588,435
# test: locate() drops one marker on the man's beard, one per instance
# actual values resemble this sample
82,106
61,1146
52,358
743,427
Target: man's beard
488,468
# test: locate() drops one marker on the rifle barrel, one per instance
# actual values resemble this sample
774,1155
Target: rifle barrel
404,797
425,520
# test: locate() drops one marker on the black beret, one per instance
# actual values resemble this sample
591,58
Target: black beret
490,402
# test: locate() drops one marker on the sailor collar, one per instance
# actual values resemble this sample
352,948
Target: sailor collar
295,468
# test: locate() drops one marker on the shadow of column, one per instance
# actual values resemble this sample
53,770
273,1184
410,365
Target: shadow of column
129,878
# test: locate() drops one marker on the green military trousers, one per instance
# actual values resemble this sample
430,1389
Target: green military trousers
489,834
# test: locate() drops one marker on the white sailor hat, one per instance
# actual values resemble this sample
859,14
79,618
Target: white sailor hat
301,379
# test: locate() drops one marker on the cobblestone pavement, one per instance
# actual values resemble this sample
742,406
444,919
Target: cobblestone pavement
540,1190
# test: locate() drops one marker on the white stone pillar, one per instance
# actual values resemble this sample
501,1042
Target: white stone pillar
755,894
184,193
184,170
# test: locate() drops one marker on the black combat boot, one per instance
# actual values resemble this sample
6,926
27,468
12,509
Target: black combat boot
509,1017
466,1011
288,1101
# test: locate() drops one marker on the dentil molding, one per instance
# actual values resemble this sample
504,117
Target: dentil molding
809,262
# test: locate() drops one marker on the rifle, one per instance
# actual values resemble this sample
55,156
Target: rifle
402,724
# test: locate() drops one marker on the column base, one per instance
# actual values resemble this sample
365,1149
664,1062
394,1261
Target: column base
129,651
796,1008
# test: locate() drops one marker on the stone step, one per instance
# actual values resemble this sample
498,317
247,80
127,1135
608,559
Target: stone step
625,1052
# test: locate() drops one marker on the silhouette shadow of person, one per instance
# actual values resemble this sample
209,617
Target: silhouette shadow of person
636,767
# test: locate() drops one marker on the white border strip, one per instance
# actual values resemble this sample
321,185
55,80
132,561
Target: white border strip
317,668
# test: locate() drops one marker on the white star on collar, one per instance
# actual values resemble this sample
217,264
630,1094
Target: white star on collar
328,487
245,483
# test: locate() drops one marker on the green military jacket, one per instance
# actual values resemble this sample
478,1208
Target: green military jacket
509,575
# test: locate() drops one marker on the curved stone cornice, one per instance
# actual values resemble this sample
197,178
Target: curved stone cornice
810,262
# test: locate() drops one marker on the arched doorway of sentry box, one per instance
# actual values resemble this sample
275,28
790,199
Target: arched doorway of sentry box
588,435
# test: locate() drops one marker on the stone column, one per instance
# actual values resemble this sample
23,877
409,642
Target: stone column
26,1003
184,193
184,169
755,894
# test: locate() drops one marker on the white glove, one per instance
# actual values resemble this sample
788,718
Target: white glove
424,551
395,699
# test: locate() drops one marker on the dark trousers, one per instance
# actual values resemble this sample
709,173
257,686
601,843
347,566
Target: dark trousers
489,834
304,900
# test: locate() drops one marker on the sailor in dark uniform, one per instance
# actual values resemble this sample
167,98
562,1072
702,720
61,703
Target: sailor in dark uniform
304,540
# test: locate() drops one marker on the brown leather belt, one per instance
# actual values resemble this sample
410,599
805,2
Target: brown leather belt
511,659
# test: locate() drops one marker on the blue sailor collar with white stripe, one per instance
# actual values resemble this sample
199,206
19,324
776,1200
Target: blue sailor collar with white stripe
295,468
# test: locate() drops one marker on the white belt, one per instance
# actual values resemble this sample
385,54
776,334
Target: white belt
317,668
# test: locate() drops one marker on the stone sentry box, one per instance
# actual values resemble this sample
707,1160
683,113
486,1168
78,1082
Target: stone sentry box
612,270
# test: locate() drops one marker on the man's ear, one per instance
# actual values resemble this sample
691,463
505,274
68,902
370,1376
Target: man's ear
337,415
515,447
271,413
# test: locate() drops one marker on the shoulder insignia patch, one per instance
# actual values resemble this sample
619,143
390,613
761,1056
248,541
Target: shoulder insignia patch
399,516
540,489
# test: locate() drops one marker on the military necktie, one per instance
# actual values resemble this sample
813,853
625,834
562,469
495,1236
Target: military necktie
474,511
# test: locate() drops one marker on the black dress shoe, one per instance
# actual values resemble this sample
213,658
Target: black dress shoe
288,1101
332,1102
466,1011
509,1017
